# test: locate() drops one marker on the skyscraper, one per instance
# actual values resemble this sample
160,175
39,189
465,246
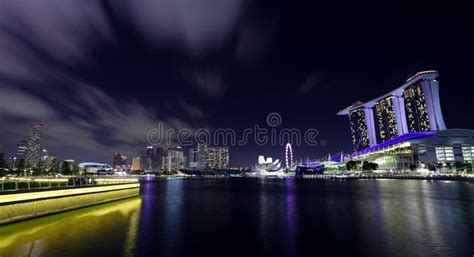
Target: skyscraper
174,160
218,158
158,155
21,149
34,143
359,132
386,120
193,159
416,109
152,159
412,107
202,157
136,164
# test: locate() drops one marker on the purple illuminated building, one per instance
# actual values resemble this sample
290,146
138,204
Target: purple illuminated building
412,107
405,130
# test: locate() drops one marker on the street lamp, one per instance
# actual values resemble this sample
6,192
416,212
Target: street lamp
45,154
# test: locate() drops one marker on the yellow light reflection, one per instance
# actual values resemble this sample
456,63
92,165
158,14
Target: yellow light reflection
10,198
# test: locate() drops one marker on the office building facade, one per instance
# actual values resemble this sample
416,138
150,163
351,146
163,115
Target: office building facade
136,164
174,160
22,147
205,158
359,130
152,158
202,157
32,155
193,159
218,158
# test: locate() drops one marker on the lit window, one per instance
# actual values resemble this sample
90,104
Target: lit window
421,150
468,153
444,154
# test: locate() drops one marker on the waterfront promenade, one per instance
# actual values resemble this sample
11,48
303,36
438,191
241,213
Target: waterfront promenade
25,198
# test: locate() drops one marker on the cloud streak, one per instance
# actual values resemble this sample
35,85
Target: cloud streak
62,60
43,46
309,83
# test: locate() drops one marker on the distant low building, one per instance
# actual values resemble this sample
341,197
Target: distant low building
444,148
95,168
48,161
70,163
268,167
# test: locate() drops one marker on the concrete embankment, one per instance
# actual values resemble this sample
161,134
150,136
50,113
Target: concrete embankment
21,205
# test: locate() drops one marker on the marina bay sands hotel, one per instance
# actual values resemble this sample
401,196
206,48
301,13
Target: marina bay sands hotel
413,107
405,127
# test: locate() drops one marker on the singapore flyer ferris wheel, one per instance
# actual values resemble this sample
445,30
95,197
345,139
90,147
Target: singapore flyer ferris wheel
288,155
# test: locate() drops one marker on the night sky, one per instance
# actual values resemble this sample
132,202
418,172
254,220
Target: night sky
100,74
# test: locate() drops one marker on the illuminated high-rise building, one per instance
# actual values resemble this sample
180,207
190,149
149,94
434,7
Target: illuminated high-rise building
202,157
412,107
386,121
148,158
21,149
416,109
174,160
136,164
208,158
32,154
218,158
193,159
152,158
359,131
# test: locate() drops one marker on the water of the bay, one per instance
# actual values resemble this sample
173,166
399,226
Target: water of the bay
261,217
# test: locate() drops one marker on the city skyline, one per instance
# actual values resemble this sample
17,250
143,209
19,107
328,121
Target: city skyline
413,107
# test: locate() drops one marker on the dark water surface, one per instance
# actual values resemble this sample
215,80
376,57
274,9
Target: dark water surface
261,217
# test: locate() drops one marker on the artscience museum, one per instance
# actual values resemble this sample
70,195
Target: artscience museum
267,166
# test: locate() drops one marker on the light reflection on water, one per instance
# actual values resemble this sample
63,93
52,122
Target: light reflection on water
255,217
91,230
